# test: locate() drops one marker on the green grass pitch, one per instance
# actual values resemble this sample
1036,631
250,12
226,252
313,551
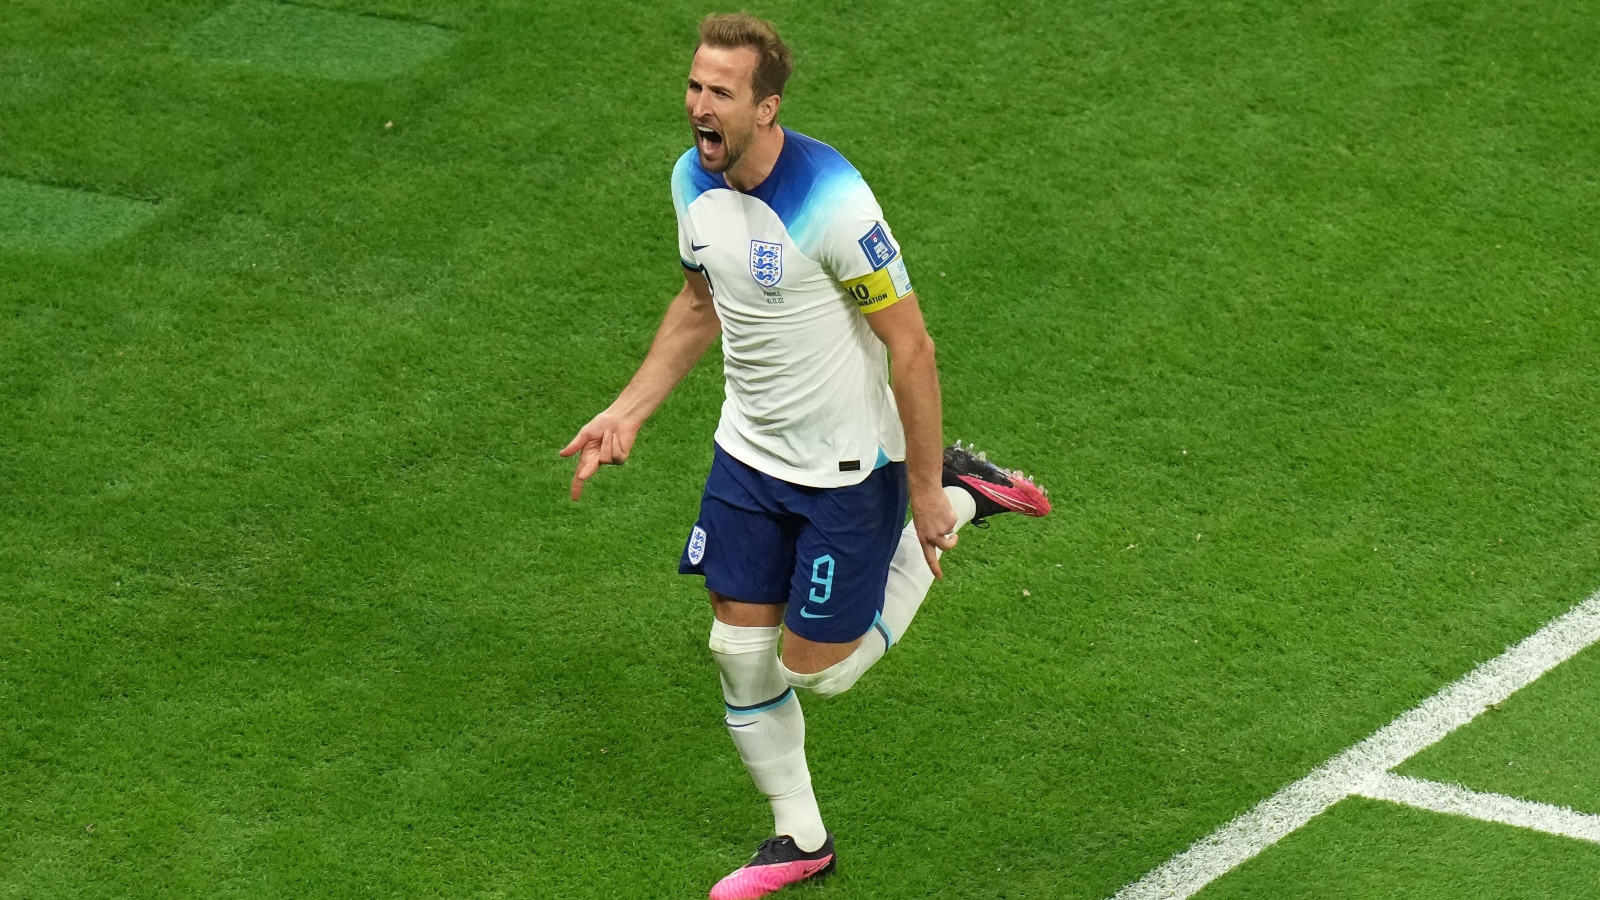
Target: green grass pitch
36,217
302,40
1291,305
1540,745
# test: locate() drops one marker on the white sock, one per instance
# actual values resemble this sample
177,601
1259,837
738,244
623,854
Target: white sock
909,580
768,728
909,575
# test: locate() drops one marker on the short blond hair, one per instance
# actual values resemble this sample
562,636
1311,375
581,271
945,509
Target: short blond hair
774,62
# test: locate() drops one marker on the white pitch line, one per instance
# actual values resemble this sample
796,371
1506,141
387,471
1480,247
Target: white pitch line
1353,770
1453,799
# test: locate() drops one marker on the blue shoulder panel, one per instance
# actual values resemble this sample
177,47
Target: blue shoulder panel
809,180
690,181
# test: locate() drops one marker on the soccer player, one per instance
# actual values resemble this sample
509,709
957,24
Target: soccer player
802,527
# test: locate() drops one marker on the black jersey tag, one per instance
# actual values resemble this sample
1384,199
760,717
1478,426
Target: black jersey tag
850,465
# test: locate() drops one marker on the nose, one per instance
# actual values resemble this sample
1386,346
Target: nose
700,107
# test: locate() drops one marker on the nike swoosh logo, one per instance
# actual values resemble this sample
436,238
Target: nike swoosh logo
698,247
731,725
808,614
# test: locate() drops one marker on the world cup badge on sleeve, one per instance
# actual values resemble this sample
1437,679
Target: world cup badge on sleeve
766,262
875,244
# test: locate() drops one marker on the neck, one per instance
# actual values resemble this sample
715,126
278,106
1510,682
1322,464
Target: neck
757,162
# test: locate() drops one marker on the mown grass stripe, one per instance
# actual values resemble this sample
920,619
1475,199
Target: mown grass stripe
41,217
300,40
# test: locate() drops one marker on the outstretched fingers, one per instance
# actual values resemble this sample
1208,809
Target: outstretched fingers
605,441
578,441
932,546
588,464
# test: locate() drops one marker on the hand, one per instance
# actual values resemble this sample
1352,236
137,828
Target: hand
605,441
934,519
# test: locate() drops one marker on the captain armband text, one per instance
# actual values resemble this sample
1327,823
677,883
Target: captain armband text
880,289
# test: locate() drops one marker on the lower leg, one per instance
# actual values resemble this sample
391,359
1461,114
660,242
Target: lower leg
767,726
909,575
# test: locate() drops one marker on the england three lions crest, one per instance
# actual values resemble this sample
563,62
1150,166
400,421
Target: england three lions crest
766,263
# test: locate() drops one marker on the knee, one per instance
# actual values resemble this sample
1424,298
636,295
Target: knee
830,682
800,664
736,639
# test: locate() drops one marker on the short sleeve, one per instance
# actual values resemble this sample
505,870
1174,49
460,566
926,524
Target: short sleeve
860,251
686,254
683,192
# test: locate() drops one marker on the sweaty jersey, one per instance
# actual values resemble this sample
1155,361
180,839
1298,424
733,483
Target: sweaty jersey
794,265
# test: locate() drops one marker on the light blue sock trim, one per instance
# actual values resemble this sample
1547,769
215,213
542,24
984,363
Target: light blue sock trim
877,622
780,700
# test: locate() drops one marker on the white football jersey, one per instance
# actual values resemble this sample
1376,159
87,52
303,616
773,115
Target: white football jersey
794,265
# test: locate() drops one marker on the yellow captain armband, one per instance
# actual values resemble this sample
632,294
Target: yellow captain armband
880,289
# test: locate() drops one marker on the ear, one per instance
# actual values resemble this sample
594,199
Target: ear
767,111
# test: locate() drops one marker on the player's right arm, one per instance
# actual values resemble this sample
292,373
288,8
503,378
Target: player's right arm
686,333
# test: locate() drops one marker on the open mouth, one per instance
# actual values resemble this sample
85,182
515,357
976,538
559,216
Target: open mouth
709,139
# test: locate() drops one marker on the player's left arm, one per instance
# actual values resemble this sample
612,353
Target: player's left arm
915,379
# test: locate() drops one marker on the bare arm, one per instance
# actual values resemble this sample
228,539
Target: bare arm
687,331
916,392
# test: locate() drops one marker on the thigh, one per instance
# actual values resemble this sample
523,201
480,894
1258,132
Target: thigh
842,557
737,612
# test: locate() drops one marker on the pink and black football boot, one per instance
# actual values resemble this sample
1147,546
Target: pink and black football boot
778,864
995,490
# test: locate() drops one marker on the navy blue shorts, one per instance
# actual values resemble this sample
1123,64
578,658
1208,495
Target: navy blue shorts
824,551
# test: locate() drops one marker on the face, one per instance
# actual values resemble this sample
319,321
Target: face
721,105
